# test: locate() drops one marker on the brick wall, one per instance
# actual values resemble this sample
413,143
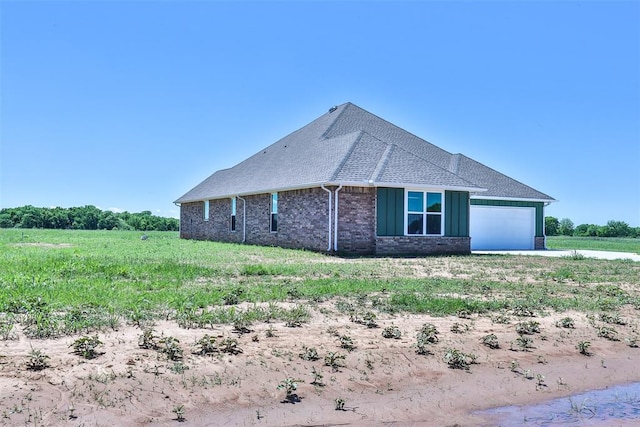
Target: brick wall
218,227
303,223
422,245
356,220
540,243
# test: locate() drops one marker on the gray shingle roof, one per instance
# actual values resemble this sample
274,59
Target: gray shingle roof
349,145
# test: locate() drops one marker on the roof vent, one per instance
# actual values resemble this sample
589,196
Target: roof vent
332,109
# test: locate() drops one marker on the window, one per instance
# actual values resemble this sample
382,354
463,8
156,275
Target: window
424,213
206,210
233,214
274,212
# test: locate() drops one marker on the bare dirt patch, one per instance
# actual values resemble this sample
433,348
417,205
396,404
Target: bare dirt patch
381,380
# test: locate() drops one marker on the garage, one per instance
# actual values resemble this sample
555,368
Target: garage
502,228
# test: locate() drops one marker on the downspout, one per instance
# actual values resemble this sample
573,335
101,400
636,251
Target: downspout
244,219
328,191
335,229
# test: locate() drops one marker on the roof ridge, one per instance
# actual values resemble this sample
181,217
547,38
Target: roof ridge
382,161
454,163
326,132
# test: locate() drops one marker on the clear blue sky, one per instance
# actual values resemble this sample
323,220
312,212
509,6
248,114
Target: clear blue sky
128,105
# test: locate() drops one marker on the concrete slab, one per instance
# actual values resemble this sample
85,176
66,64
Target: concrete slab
564,253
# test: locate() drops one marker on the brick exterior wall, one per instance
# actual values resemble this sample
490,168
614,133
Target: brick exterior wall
422,245
303,223
302,220
357,220
540,243
218,227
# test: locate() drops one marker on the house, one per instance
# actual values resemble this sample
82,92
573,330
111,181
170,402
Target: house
351,182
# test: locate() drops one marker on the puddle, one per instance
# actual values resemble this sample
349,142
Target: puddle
619,405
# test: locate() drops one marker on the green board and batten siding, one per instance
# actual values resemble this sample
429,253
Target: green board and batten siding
518,204
390,212
456,214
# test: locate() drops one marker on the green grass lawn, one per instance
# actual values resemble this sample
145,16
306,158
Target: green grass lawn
56,282
616,244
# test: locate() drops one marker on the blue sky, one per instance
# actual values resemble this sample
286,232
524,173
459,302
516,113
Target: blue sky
128,105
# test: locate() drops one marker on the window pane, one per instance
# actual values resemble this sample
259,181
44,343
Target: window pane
233,206
274,222
233,223
434,202
414,224
274,203
415,201
434,224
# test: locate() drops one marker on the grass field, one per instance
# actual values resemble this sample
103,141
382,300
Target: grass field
56,282
615,244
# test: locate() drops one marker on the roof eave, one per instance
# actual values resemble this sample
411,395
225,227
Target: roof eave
520,199
335,183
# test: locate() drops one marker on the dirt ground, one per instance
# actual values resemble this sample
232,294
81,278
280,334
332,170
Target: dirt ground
383,380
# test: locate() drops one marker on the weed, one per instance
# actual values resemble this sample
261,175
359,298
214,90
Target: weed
230,346
614,319
270,332
179,411
368,318
523,342
37,360
87,347
333,331
290,385
334,360
170,346
148,340
501,319
317,378
456,359
427,335
242,324
460,328
608,333
566,322
339,404
309,353
347,343
7,330
392,332
522,309
583,347
491,341
295,317
632,341
528,328
206,345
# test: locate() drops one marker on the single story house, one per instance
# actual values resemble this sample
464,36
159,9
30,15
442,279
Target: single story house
351,182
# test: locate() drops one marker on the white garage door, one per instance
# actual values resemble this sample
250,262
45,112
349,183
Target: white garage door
502,228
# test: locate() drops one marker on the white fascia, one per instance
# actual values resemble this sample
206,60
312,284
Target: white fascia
513,199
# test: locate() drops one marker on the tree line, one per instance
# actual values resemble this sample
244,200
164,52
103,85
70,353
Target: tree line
84,218
565,227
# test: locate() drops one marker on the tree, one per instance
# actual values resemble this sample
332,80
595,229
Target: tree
566,227
551,225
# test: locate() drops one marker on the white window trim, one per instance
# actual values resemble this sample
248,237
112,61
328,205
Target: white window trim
271,212
234,217
406,210
206,210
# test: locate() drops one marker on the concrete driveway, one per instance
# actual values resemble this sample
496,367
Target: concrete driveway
565,253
